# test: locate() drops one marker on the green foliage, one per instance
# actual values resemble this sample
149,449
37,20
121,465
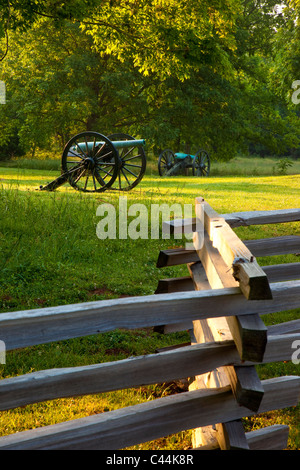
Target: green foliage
10,147
181,74
51,256
166,36
282,166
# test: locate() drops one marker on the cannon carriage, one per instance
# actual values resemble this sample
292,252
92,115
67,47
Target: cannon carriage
172,164
92,162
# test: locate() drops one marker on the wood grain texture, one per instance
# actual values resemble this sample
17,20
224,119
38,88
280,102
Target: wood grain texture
210,273
250,335
275,273
151,420
237,219
252,279
231,436
175,256
270,438
262,247
184,362
245,219
292,326
249,331
246,386
180,284
29,327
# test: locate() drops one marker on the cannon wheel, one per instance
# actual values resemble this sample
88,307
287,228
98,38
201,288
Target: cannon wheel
165,162
90,167
132,163
201,164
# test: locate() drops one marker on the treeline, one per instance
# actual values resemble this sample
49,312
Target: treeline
179,73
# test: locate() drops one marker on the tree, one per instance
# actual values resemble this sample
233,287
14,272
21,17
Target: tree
174,72
58,85
286,64
165,37
129,73
267,124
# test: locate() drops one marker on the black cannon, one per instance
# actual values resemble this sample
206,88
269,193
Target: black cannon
171,164
92,162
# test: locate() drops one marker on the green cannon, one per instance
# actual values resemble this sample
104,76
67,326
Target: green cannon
92,162
172,164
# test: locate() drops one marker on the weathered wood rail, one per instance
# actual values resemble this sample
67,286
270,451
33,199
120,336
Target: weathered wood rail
228,338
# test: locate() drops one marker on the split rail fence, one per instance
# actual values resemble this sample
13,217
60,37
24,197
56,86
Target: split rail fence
221,303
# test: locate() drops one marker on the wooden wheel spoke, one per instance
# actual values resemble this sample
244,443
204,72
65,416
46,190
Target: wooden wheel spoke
99,150
125,176
94,146
131,158
86,182
98,163
86,145
102,156
105,163
166,161
75,168
78,145
132,164
76,154
127,153
107,172
94,181
135,166
129,171
80,175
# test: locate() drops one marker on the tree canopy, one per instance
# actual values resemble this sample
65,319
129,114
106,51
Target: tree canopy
215,73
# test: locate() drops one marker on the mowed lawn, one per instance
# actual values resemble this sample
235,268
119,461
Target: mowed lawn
51,255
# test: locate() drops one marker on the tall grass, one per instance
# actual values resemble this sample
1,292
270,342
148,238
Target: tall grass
238,166
256,166
50,255
34,164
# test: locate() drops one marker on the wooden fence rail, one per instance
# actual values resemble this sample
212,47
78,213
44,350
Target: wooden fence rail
147,421
228,338
30,327
164,366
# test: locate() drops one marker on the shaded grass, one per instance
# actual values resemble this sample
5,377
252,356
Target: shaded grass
50,255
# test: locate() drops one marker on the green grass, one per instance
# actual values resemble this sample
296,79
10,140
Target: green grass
50,255
238,166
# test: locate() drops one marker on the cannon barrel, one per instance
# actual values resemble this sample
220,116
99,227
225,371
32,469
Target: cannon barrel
182,156
117,144
128,143
91,162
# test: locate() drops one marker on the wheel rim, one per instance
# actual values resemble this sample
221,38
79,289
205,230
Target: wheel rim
90,166
165,162
132,163
201,164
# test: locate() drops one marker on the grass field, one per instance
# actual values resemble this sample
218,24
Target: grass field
51,255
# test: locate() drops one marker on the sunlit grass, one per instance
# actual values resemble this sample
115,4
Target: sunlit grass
50,255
